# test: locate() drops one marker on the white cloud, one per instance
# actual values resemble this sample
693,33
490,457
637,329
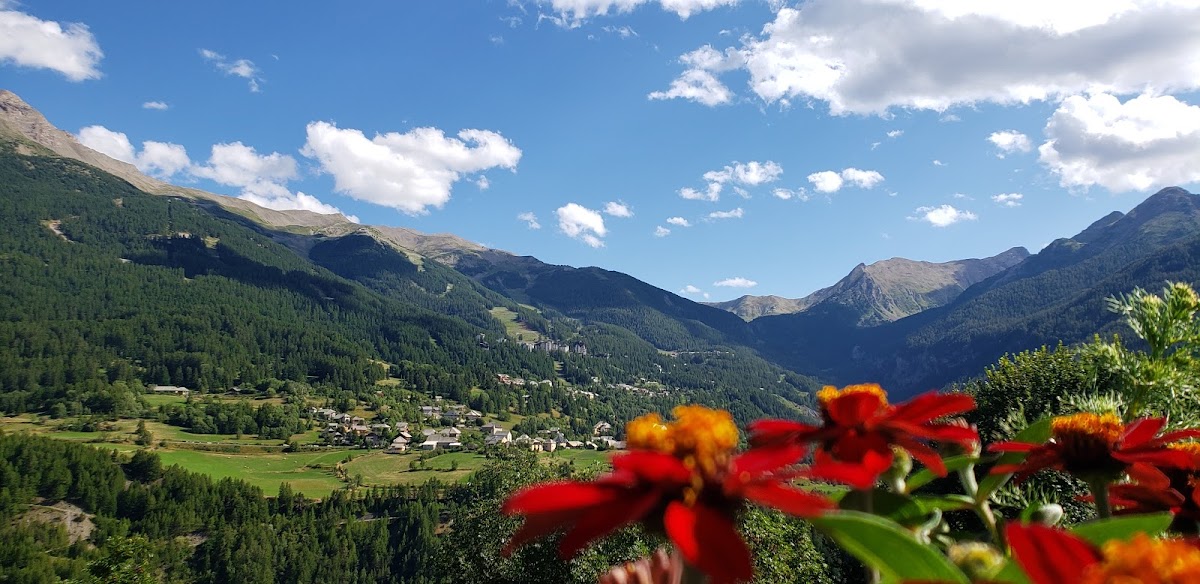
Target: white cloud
895,134
27,41
937,162
1008,199
483,183
867,56
738,282
800,194
942,216
950,118
617,209
696,85
155,105
1009,141
262,178
750,174
530,219
661,231
1144,143
866,179
691,290
159,159
575,11
409,172
711,193
731,214
826,181
244,68
679,221
621,31
581,223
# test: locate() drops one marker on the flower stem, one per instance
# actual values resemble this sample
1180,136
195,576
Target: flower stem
1099,488
983,508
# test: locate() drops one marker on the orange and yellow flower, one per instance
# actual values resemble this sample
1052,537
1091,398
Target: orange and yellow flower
859,429
1053,556
1099,447
681,478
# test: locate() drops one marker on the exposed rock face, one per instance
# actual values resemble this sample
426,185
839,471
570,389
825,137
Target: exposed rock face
885,291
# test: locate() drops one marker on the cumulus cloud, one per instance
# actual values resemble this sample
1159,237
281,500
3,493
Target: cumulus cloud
159,159
661,231
573,12
937,162
800,194
679,222
1144,143
262,178
617,209
579,222
27,41
696,85
731,214
692,290
895,134
826,181
409,172
867,56
749,174
737,282
244,68
1009,141
1008,199
155,105
829,181
942,216
483,183
530,219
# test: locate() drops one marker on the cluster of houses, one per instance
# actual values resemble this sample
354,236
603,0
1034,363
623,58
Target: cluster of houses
642,390
549,346
342,429
450,414
520,381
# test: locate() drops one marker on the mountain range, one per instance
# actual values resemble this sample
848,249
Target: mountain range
908,324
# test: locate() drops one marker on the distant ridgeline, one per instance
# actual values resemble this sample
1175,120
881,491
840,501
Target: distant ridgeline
105,289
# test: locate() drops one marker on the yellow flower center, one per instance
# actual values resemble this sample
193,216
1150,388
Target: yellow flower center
830,393
1086,442
702,438
1145,560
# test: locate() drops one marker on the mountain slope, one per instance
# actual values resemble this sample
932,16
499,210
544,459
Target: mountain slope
1057,294
884,291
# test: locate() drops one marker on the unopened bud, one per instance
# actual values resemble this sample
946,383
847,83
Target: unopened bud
979,561
1049,514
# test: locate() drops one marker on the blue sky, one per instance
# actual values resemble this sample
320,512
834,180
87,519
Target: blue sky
710,147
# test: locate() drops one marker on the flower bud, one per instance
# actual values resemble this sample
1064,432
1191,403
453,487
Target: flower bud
979,561
1049,514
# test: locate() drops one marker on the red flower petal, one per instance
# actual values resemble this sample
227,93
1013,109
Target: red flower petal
860,475
709,541
1161,457
850,409
1050,556
1176,436
1148,476
561,496
1013,447
787,499
605,519
767,459
653,467
536,526
1141,431
923,453
939,432
774,432
932,405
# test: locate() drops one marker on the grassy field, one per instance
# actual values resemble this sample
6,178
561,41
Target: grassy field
378,468
515,330
308,473
162,399
167,432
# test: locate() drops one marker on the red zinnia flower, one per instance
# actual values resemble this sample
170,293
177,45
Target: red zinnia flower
1099,446
859,429
1052,556
681,478
1153,490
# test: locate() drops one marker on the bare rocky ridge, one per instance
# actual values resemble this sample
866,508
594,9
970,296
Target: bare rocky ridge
22,123
885,291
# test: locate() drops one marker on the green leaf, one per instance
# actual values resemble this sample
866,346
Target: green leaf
944,502
1101,530
1011,573
925,476
888,548
1036,433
